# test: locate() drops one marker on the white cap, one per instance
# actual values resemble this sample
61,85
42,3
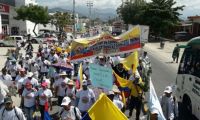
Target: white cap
84,82
111,93
168,89
30,74
62,73
66,101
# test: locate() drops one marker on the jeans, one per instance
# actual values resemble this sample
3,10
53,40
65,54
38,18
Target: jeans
29,112
42,111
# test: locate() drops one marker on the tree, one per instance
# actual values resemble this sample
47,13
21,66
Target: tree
34,13
131,12
161,15
60,20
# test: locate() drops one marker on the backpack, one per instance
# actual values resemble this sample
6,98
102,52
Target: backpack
15,113
75,112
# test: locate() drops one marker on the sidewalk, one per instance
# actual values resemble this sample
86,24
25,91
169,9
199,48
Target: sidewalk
164,55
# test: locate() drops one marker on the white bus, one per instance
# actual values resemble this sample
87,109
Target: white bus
188,80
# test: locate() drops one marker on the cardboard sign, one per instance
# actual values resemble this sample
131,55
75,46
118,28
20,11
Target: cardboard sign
101,76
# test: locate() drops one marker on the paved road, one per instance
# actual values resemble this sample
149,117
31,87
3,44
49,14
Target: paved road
164,71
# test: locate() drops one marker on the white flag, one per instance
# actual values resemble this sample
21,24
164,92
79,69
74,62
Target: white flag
154,103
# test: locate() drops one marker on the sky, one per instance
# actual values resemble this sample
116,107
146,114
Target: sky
191,6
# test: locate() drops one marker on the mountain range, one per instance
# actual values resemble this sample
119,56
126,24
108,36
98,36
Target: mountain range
103,14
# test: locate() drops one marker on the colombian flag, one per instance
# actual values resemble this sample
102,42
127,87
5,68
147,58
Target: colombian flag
131,62
104,109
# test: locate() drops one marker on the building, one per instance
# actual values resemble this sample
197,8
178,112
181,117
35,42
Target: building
10,26
195,21
5,13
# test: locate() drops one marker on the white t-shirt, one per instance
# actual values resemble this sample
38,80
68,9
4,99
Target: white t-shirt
85,97
29,102
34,68
43,67
20,81
61,90
70,115
6,79
11,115
44,95
33,81
118,103
13,69
3,91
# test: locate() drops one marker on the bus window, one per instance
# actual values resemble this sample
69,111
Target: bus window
190,62
197,64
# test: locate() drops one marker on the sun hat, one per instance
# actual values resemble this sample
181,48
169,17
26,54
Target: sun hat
70,82
65,101
115,89
30,74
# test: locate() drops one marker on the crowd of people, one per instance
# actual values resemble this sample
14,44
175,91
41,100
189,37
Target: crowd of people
36,79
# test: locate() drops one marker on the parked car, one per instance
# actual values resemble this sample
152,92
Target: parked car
44,38
182,36
8,43
18,38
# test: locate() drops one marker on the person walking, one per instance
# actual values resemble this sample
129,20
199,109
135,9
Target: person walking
69,112
175,54
169,104
29,99
11,112
85,98
44,95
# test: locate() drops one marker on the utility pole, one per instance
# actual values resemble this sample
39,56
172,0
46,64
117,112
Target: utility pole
74,20
90,5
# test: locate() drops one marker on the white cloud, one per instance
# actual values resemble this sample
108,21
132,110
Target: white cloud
96,3
190,5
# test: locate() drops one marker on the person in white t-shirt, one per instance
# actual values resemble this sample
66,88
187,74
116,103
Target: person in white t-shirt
60,87
44,95
3,93
11,112
6,78
34,68
33,81
85,98
12,69
20,80
116,102
29,100
69,112
43,68
71,91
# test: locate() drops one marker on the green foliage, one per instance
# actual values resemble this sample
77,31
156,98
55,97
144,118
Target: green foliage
61,19
131,12
34,13
160,15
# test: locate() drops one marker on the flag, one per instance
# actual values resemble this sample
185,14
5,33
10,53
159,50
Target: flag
80,74
131,60
104,109
154,103
46,113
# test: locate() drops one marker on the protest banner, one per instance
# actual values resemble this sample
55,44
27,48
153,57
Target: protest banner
101,76
105,44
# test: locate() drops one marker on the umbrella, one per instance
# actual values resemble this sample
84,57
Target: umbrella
63,66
